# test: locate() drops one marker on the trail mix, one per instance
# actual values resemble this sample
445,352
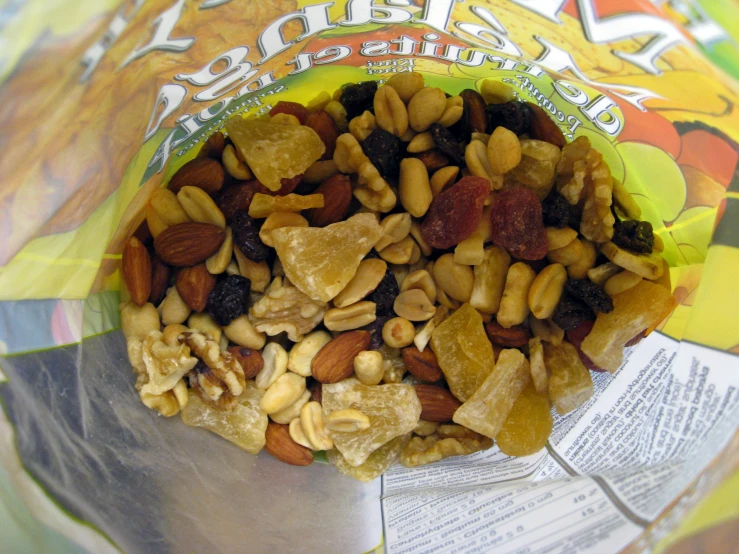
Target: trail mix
388,273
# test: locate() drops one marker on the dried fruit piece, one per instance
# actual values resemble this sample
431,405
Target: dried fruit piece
634,310
290,108
571,312
375,330
447,144
487,409
229,299
235,198
244,426
383,150
512,337
517,224
377,463
455,213
325,127
358,98
590,293
576,336
556,210
385,294
321,261
528,425
650,266
449,440
246,237
537,167
514,116
570,384
262,205
463,351
275,151
634,235
393,410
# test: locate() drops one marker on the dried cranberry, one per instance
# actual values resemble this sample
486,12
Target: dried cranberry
455,213
358,98
514,116
384,294
246,237
383,150
229,299
556,210
590,293
576,336
517,224
571,312
447,144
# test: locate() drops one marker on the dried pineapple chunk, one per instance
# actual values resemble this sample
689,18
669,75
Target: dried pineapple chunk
486,410
320,261
262,205
377,463
273,151
463,351
528,425
641,307
393,410
570,384
245,426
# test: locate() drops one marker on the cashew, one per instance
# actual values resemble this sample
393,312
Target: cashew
242,332
286,390
275,365
338,114
456,280
173,308
139,322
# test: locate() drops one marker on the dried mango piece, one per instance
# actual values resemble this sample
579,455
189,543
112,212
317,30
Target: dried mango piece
377,463
273,151
538,370
570,384
320,261
393,410
487,409
245,426
449,440
634,310
528,425
463,351
263,205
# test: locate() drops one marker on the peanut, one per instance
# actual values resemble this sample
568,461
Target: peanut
420,279
567,254
369,274
395,228
456,280
558,238
621,282
398,332
470,251
421,142
489,280
546,330
514,307
352,317
476,157
423,246
311,420
284,392
140,321
292,412
338,114
200,207
415,257
400,252
164,209
205,323
242,332
414,305
173,308
347,421
302,354
285,119
414,188
406,84
219,261
482,137
368,365
504,151
539,374
295,430
319,102
275,366
579,269
599,275
443,178
390,112
452,111
362,126
496,92
425,108
277,220
546,290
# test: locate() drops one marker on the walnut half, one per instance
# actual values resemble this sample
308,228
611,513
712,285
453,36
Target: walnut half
447,441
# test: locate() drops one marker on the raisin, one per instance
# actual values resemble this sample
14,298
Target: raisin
512,337
455,213
384,294
229,299
236,197
571,312
291,108
447,144
556,210
634,235
383,150
246,237
375,329
590,293
576,336
358,98
517,224
514,116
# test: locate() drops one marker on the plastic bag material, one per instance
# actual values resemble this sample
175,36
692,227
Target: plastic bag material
101,102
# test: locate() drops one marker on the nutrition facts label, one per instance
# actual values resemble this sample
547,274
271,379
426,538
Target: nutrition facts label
610,469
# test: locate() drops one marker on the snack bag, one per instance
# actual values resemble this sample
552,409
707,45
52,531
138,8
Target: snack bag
149,138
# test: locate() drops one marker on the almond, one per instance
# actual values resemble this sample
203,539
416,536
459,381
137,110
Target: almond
316,391
251,360
433,160
280,445
204,173
474,111
159,281
188,244
544,128
213,147
422,364
136,269
325,127
337,196
194,285
335,361
437,404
